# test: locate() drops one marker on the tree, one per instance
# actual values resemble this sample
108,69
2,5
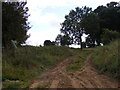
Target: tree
53,43
71,26
84,20
48,43
91,25
14,23
109,16
64,40
109,36
83,44
58,40
89,42
112,4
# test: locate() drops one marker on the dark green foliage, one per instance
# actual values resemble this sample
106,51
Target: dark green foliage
71,26
109,35
64,40
14,23
109,16
89,42
83,44
84,20
112,4
48,43
91,25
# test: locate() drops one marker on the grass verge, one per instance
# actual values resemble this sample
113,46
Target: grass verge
79,60
106,59
28,62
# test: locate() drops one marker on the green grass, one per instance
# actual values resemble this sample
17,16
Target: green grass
12,85
106,59
79,60
28,62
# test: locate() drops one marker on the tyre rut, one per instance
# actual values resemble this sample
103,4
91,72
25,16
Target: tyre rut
86,77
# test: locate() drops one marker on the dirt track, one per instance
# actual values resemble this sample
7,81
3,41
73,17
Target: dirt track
87,77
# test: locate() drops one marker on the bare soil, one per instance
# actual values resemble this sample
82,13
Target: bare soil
86,77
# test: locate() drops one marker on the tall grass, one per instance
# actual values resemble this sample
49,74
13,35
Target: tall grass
30,61
106,59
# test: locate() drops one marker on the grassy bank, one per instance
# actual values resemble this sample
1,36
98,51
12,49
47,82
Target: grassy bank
27,62
106,59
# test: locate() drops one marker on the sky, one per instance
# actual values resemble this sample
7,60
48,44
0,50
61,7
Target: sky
46,16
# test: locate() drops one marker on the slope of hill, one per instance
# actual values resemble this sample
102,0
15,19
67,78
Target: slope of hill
61,67
106,59
27,62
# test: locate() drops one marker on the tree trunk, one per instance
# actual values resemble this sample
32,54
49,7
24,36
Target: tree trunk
81,41
81,45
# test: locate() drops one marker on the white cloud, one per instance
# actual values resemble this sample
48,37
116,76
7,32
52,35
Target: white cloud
36,7
49,18
46,3
38,38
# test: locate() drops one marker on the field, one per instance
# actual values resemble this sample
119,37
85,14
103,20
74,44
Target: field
28,62
21,66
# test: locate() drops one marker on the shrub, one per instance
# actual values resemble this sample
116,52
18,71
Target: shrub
109,36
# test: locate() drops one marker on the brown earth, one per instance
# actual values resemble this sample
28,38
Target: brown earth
86,77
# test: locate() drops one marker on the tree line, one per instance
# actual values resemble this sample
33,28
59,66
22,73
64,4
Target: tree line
101,25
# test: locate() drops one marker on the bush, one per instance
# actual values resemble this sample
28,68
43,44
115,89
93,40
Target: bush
109,36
